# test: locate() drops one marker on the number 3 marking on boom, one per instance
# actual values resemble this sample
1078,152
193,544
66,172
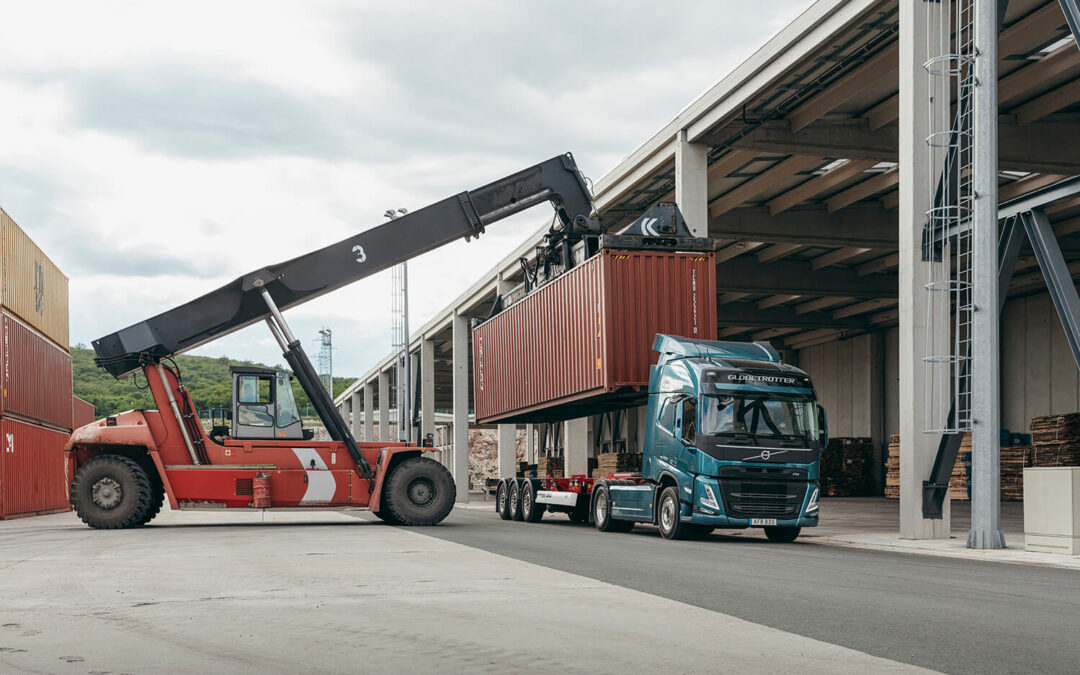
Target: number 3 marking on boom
360,255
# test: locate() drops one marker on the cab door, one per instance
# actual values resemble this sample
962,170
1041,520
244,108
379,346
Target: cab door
684,457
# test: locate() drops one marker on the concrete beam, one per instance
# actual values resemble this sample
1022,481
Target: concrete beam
881,65
846,139
692,183
868,226
460,467
1050,102
860,191
817,185
748,315
766,180
384,407
793,277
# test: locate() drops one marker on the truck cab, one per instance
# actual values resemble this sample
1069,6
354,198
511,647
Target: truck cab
733,440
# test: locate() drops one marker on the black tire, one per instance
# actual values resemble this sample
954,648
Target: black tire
531,512
698,531
601,513
157,500
579,514
502,500
419,492
667,514
385,517
111,492
782,535
515,501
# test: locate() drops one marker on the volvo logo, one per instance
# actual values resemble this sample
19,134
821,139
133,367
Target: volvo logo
765,455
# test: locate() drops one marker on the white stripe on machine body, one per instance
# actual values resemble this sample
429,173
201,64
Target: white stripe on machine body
321,484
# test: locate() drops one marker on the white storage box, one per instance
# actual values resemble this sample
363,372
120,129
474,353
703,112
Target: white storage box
1052,509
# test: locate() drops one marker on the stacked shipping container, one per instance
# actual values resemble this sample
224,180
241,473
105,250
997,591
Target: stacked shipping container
36,403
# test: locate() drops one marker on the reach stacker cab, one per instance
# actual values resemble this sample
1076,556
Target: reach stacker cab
733,439
127,465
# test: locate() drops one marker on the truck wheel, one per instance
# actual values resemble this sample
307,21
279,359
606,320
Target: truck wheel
531,512
602,513
502,500
668,514
419,492
111,492
784,535
515,501
698,531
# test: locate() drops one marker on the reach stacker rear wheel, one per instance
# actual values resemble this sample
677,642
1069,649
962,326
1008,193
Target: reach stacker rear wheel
418,492
111,492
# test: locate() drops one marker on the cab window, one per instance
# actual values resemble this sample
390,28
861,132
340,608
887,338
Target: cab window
689,420
254,389
253,399
666,417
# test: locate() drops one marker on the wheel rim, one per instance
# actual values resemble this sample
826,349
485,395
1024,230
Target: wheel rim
667,514
500,498
514,503
421,491
107,494
601,508
526,502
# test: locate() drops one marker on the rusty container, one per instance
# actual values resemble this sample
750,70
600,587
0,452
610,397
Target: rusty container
31,286
82,412
35,375
33,471
582,344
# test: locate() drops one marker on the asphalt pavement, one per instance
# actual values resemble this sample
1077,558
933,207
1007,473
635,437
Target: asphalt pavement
960,616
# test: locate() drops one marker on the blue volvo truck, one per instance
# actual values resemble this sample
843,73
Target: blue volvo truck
733,439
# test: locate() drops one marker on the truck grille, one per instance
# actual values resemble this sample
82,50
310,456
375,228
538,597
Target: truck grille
754,498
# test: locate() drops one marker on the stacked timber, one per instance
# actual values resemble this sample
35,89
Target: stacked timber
845,467
1055,440
35,377
958,480
550,466
618,462
1012,472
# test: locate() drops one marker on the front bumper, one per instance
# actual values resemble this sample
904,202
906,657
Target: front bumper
711,506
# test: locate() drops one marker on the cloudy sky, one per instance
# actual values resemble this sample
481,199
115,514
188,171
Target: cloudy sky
159,150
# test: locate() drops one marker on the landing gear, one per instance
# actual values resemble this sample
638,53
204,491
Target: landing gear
112,492
419,492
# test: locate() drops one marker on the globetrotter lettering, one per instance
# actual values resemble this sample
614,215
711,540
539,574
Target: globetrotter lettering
765,379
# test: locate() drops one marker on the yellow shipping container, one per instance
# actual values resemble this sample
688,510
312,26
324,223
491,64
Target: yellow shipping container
31,286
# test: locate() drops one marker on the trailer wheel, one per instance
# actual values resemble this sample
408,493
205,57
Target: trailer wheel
418,492
531,512
515,501
783,535
111,492
502,500
671,527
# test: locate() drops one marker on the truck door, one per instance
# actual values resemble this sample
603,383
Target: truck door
684,457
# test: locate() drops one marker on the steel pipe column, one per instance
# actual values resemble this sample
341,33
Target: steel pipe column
462,373
917,449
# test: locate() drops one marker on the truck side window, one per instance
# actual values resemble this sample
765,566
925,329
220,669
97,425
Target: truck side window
689,420
666,418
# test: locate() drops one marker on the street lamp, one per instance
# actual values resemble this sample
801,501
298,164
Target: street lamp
404,412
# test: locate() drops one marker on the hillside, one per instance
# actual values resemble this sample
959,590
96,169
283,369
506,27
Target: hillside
207,378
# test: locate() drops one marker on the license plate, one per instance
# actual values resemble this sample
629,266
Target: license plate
762,522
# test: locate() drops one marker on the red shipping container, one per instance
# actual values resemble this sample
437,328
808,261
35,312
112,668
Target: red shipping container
582,344
82,412
33,471
35,375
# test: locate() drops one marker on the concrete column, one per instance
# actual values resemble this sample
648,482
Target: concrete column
578,441
985,379
530,443
917,450
507,450
369,411
692,184
384,407
413,413
427,388
460,469
357,419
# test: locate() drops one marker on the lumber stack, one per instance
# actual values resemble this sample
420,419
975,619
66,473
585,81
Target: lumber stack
550,466
1055,440
617,462
958,481
1012,472
845,467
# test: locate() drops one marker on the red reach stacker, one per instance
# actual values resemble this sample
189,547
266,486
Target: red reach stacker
128,464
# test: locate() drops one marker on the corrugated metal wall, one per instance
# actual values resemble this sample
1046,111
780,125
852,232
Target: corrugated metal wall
31,286
35,375
33,477
82,412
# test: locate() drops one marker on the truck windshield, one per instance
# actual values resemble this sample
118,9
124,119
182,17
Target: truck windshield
760,417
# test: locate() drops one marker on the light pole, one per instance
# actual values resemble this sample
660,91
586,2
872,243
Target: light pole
404,404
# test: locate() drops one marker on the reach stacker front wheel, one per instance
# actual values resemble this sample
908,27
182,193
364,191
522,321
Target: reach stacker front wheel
111,492
418,492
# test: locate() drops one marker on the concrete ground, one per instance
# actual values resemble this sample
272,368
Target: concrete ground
339,592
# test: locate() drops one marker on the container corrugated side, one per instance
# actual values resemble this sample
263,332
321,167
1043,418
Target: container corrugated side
82,412
570,345
35,375
32,286
33,472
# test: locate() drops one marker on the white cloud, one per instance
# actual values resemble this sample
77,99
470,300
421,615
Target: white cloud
158,151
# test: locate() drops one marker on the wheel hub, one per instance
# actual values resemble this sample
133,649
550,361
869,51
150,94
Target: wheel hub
107,494
421,491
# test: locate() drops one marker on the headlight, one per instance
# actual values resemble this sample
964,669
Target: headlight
709,499
812,507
